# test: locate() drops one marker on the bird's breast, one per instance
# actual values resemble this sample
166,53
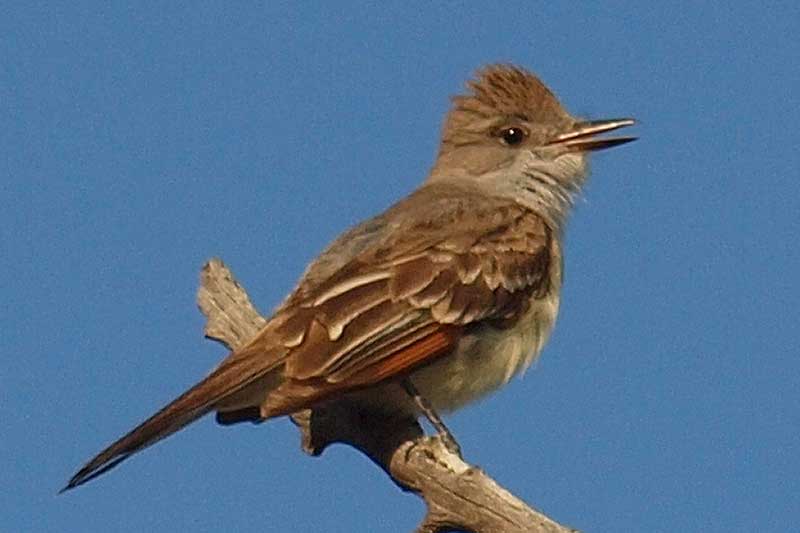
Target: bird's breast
488,357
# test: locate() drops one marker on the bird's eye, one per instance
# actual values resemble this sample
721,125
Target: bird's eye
513,136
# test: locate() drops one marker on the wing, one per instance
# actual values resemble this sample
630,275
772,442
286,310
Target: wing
407,299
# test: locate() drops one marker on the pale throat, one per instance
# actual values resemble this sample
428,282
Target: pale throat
548,187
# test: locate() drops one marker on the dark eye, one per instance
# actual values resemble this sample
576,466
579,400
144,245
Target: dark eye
513,136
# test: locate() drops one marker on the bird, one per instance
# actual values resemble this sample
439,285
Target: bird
432,304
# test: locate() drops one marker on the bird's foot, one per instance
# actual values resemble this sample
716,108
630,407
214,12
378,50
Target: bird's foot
433,417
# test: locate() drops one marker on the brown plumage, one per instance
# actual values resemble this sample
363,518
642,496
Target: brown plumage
455,286
504,91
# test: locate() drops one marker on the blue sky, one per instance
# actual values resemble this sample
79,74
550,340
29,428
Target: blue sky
137,142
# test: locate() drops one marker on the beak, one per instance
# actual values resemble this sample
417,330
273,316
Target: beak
581,137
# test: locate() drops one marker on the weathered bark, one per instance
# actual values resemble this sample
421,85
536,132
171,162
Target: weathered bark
458,496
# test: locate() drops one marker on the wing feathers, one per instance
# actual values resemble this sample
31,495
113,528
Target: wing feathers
295,394
438,341
338,312
365,320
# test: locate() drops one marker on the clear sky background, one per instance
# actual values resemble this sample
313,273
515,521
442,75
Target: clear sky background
137,142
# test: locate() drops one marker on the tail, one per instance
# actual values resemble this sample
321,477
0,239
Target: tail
232,375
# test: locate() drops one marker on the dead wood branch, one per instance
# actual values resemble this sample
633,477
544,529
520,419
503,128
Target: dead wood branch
458,496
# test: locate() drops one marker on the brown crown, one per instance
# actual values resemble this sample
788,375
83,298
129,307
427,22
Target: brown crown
505,91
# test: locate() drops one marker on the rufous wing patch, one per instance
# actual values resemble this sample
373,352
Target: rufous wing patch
296,394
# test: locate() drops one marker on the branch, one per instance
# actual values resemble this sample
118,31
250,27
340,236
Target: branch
458,496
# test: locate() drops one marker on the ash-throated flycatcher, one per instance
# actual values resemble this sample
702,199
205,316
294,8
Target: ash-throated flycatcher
442,298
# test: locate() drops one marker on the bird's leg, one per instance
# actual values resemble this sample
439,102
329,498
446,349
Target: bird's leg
432,416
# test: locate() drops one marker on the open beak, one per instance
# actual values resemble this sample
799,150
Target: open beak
582,136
